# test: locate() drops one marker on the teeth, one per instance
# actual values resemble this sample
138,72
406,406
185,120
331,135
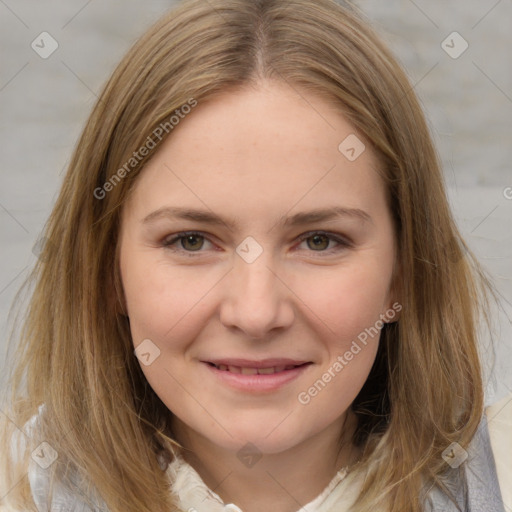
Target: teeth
249,371
255,371
266,371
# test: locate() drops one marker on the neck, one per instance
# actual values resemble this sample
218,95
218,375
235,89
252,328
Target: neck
284,481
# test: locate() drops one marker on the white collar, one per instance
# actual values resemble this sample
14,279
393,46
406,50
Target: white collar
194,494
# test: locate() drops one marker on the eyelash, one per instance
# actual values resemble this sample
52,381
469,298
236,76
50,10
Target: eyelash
343,243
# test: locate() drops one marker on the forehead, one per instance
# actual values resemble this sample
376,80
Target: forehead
259,148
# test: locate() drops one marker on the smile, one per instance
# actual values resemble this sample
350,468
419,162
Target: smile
254,371
256,376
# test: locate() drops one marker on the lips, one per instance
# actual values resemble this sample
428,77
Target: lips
257,376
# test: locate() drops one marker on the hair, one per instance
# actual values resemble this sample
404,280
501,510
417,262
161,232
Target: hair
75,354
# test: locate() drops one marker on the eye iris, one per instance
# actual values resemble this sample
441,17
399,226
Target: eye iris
192,242
319,242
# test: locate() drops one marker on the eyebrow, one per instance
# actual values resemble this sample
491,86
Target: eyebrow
298,219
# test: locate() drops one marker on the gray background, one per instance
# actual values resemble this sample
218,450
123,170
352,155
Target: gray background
468,101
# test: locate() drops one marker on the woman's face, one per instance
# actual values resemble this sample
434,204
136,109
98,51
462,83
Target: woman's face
283,283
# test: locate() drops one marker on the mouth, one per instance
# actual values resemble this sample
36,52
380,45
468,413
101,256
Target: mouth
252,370
256,376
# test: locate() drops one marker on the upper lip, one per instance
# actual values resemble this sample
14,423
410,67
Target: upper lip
264,363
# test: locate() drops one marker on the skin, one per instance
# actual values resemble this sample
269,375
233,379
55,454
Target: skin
255,155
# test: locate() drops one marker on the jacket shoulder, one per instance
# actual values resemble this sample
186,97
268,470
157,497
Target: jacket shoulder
40,474
499,419
472,479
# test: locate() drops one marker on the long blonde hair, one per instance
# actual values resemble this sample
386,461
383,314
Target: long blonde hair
75,352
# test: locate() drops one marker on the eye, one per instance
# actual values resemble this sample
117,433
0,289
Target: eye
194,242
319,241
189,241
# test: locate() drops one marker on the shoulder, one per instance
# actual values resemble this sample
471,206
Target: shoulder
499,420
473,479
40,471
480,478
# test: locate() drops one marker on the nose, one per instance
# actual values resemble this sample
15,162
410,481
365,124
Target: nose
256,299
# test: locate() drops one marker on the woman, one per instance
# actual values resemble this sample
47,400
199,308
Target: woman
254,295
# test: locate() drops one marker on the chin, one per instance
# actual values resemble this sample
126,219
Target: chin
268,437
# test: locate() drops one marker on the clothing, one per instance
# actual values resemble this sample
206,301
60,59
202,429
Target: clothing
193,494
488,477
499,417
482,481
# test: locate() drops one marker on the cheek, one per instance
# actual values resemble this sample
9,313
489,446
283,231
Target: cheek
333,389
347,309
348,312
159,299
346,302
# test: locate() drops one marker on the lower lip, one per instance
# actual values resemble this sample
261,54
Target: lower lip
258,383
